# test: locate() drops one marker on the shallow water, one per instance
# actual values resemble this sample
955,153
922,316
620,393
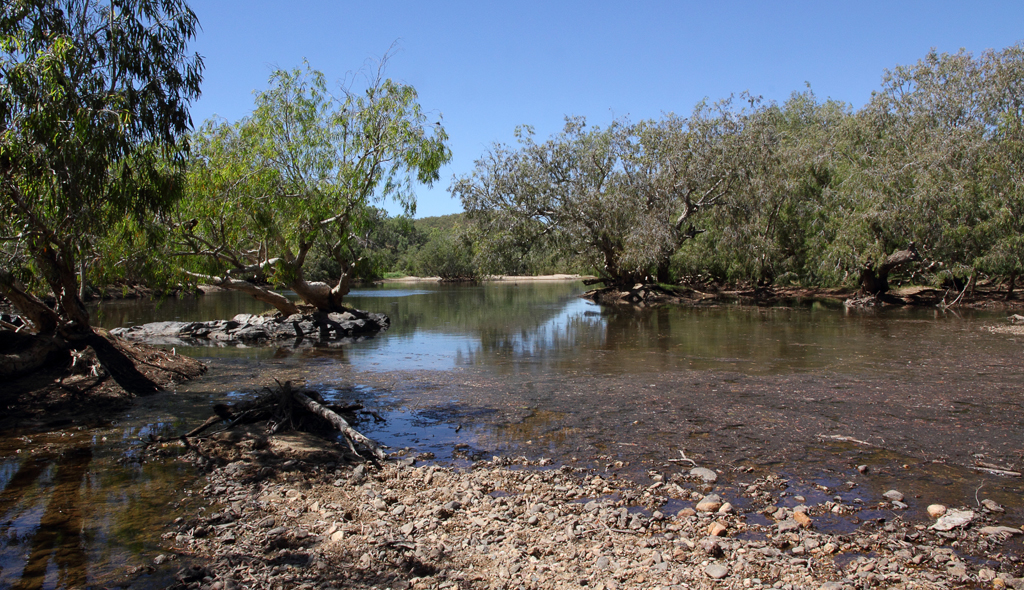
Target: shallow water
531,369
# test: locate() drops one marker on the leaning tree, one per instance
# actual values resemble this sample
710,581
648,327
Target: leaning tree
94,101
299,177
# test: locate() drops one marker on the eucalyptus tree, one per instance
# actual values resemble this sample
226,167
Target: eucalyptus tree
1002,225
770,226
94,101
918,186
300,175
623,199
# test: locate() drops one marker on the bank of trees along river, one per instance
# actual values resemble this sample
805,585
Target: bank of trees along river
808,191
105,182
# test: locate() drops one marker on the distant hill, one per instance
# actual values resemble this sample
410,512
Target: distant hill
441,223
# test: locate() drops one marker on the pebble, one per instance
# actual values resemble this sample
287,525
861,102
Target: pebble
893,496
936,510
953,519
999,530
358,474
991,505
716,571
788,525
709,503
802,519
705,474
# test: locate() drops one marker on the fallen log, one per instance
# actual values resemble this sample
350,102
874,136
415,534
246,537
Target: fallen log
287,408
351,435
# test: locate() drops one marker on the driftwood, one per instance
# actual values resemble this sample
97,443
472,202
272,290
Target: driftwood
284,408
351,435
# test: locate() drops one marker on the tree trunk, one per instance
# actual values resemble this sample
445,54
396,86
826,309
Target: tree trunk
42,317
121,368
321,295
663,275
280,302
876,281
1010,285
58,267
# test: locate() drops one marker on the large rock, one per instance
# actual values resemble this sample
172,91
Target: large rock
247,329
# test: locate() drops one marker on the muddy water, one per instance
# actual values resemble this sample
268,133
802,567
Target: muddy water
809,391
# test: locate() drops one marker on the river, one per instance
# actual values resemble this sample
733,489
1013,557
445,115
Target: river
808,390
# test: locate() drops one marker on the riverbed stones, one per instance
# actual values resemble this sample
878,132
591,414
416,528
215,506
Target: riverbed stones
936,510
469,529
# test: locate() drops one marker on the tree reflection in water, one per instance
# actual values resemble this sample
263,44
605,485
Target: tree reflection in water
55,548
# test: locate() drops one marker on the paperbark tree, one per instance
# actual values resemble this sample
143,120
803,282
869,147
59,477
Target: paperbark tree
301,174
93,115
624,198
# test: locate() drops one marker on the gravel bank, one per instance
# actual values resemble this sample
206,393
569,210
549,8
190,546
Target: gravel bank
292,512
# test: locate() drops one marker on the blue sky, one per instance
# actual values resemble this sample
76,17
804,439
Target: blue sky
487,66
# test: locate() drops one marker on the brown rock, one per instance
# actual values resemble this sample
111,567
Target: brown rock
802,518
709,503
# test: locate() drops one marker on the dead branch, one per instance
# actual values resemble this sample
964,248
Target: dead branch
351,435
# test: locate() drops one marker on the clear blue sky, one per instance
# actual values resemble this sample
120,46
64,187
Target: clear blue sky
487,66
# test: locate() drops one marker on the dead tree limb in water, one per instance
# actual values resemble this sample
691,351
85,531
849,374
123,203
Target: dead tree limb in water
351,434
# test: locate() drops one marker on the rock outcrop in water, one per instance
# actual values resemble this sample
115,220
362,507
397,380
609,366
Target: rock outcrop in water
246,329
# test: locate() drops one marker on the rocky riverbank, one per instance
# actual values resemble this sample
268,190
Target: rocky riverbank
293,512
249,329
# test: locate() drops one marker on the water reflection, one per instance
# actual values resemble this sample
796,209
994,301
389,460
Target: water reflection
48,526
533,369
544,326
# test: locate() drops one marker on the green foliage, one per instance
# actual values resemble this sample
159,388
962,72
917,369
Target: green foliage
807,191
299,179
621,199
94,105
448,256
